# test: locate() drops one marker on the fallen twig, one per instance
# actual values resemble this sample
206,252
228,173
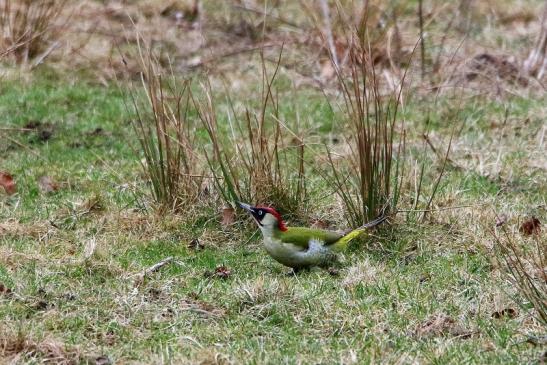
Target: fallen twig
157,266
44,55
13,140
152,269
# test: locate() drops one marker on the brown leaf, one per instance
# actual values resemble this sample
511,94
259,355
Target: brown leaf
505,312
196,245
220,272
4,289
47,184
530,227
228,216
441,325
6,181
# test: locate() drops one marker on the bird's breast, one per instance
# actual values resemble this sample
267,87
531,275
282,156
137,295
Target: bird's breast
295,256
281,251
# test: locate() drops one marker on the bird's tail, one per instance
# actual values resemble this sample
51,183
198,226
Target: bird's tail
343,242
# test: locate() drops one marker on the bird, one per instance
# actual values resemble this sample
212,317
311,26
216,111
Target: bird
301,247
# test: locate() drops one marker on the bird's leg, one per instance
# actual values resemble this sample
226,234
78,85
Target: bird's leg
294,271
332,267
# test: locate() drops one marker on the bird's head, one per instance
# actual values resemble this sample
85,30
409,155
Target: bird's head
265,217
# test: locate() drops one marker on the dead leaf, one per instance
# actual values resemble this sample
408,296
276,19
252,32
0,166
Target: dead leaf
6,181
228,216
220,272
441,325
505,312
4,289
47,184
530,227
196,245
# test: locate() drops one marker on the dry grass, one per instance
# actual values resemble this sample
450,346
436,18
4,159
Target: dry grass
166,133
205,35
16,348
525,263
371,184
420,291
30,29
254,163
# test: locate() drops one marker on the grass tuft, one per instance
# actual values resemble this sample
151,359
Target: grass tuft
369,183
524,264
255,164
166,133
30,28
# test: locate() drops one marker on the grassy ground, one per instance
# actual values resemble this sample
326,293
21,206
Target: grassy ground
82,228
426,292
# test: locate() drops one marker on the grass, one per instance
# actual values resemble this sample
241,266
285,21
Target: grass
30,29
68,306
371,186
166,134
262,159
79,237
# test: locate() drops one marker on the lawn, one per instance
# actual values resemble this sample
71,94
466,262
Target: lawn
83,228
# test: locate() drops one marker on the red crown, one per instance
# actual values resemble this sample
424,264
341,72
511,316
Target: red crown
272,211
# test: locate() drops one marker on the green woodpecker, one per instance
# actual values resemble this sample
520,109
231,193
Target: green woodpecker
301,247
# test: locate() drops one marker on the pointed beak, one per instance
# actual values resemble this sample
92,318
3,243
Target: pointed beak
246,207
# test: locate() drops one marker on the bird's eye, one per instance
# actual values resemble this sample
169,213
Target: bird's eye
260,212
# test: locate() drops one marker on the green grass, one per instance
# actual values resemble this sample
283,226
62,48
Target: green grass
389,285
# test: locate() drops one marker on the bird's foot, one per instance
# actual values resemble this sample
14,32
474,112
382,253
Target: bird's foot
294,271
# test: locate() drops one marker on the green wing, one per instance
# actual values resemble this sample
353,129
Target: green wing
300,236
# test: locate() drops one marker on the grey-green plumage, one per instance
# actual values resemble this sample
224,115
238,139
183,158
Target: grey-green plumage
299,247
301,236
